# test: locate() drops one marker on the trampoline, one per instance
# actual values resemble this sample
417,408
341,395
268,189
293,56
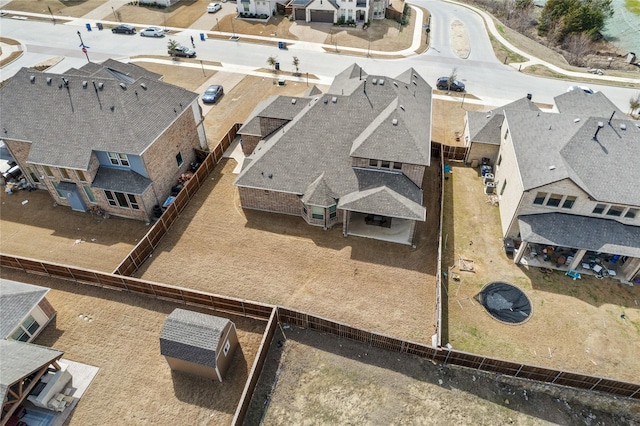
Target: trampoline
505,302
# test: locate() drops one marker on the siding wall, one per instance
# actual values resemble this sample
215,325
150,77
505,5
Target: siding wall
413,172
249,143
269,125
271,201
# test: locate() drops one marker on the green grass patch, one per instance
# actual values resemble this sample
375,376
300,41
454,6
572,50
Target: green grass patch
502,52
633,6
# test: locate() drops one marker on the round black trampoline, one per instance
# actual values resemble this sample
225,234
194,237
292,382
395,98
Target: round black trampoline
505,302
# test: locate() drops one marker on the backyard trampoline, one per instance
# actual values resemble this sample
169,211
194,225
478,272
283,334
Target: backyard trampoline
505,302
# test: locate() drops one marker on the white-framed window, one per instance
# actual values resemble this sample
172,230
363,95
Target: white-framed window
47,171
554,200
81,176
64,173
569,201
226,348
27,329
118,159
60,194
504,185
615,211
631,213
122,200
33,174
179,159
89,193
333,212
599,208
317,212
540,197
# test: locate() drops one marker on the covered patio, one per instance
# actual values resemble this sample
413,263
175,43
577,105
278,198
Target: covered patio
601,247
395,230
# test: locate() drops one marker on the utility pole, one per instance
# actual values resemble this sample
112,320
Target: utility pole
84,48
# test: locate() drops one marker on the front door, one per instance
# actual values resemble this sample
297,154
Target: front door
72,195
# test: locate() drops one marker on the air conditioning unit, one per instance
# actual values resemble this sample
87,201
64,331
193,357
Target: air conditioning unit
489,177
490,188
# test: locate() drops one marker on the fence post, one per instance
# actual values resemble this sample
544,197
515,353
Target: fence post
596,384
445,360
557,376
482,362
518,372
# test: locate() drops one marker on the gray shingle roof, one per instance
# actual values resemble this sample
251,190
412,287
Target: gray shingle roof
120,180
560,229
20,359
321,138
319,194
117,69
484,127
583,104
192,336
16,301
66,125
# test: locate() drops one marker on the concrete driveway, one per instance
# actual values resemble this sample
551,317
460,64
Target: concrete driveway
209,21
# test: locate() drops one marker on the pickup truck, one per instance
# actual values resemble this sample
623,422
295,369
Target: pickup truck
183,51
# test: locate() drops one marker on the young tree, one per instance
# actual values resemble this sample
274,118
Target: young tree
578,45
452,77
634,104
172,44
271,60
296,63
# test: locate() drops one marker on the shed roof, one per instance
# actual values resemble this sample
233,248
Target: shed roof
192,336
17,300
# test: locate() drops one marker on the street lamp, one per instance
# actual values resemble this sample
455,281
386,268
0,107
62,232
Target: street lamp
84,48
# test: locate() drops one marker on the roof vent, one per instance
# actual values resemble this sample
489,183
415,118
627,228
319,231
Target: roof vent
65,81
270,175
414,83
32,78
415,76
49,81
100,86
124,87
374,81
84,84
395,84
394,121
112,108
334,99
144,86
402,107
488,115
576,120
326,101
552,167
381,82
293,101
623,126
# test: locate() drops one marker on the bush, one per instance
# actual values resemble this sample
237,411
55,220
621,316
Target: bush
340,21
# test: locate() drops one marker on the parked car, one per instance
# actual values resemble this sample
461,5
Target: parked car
124,29
213,7
212,94
183,51
585,89
152,32
443,84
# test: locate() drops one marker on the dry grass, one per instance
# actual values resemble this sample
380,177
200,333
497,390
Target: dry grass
276,26
384,35
180,15
74,8
576,325
186,77
448,118
135,384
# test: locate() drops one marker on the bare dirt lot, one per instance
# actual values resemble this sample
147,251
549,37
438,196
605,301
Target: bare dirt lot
75,8
324,380
135,384
575,326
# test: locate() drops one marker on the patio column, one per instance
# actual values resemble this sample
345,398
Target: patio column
520,253
577,259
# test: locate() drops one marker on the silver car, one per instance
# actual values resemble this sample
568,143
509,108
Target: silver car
152,32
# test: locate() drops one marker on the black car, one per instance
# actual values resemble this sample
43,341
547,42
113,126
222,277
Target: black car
212,94
124,29
443,84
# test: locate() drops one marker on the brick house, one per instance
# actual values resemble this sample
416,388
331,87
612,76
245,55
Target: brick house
331,10
24,310
565,186
111,135
355,156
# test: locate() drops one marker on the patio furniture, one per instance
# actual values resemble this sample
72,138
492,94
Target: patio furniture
573,274
597,269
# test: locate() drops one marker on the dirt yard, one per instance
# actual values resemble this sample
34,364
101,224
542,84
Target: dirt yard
575,326
74,8
135,384
316,379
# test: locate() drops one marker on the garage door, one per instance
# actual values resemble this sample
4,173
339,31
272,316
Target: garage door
300,14
321,16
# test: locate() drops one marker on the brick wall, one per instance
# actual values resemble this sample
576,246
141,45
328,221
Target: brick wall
414,172
269,125
271,201
46,307
249,143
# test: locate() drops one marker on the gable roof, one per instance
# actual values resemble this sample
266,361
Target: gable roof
117,69
331,129
319,194
17,300
584,104
192,336
68,121
485,127
20,360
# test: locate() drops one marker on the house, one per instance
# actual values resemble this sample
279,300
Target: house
22,367
110,136
565,186
198,344
24,310
355,156
331,11
161,3
259,7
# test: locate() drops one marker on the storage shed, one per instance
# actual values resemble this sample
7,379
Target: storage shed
198,344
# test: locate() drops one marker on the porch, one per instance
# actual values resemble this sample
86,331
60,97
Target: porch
382,228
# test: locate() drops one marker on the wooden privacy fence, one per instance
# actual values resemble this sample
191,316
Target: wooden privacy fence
439,260
448,152
150,241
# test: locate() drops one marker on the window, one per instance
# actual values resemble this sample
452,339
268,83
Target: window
504,185
386,164
26,330
332,212
20,335
179,159
47,171
317,213
81,176
373,163
599,209
499,159
122,200
33,174
89,193
506,134
64,173
226,348
118,159
631,213
60,194
554,200
539,200
569,202
397,166
615,211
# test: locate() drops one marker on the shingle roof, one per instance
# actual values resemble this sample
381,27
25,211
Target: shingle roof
324,135
584,104
16,301
118,69
192,336
319,194
120,180
561,229
67,124
20,359
485,127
